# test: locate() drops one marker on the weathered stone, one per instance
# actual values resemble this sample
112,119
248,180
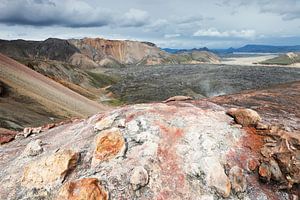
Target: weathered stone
6,135
276,173
262,126
37,130
109,144
252,164
83,189
49,169
215,176
264,171
139,177
105,123
33,148
245,117
48,127
27,131
178,98
237,179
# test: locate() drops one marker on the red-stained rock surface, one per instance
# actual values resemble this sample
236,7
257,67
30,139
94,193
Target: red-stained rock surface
277,105
175,150
6,135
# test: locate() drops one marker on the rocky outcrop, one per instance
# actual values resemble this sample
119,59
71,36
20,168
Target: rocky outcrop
174,150
50,49
124,52
245,117
6,135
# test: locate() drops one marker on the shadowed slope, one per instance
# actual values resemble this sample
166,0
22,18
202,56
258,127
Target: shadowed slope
34,91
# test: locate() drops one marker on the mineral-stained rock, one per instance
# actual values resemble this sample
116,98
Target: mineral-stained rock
237,179
245,117
186,150
252,164
109,144
47,170
139,177
6,135
264,171
215,176
33,148
83,189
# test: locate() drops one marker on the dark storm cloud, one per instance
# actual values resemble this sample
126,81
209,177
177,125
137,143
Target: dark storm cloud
67,13
168,23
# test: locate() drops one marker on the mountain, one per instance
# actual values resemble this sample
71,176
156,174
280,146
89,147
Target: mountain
30,99
174,51
91,53
258,49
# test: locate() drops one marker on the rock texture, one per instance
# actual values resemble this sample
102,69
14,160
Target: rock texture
6,135
86,188
178,150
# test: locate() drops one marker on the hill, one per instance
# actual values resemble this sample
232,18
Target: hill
284,59
29,98
91,53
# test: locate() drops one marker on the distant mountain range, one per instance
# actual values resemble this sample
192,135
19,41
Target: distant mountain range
175,51
250,48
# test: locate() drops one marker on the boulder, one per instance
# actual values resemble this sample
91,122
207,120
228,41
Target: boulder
237,179
109,144
33,148
49,169
244,117
139,177
215,176
83,189
178,98
6,135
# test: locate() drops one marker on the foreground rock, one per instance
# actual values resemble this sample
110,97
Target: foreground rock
179,150
244,117
6,135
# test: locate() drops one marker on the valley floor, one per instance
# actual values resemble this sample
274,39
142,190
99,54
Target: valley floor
155,83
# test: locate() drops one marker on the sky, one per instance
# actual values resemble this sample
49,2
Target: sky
167,23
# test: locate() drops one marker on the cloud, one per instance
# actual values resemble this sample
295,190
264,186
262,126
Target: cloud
172,35
135,18
212,32
67,13
288,9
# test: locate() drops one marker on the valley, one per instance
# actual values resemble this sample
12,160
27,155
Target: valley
157,83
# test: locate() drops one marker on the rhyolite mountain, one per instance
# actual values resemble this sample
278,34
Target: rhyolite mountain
97,52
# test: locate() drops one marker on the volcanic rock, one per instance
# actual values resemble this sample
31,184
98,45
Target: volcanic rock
181,150
83,189
245,117
237,179
6,135
33,148
50,169
109,144
178,98
139,177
